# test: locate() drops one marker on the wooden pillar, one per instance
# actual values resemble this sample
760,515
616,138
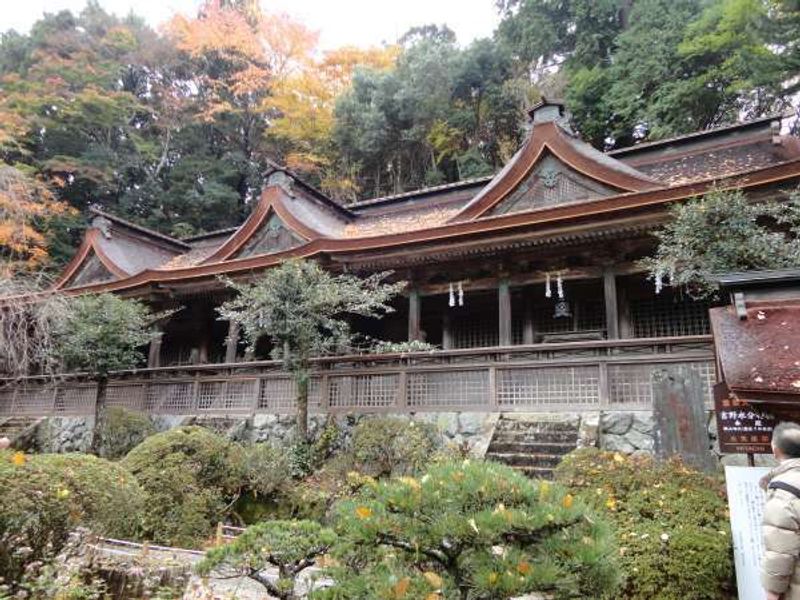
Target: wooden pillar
202,352
625,323
610,296
528,333
447,331
154,353
504,313
414,315
231,342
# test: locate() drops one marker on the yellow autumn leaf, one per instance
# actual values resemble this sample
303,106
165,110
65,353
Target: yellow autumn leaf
618,457
433,579
567,501
611,504
18,459
401,587
544,490
493,578
433,596
62,494
363,512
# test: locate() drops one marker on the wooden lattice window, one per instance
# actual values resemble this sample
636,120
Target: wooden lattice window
364,391
669,316
476,331
543,386
633,384
456,389
131,396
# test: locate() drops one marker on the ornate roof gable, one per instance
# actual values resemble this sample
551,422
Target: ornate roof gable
289,214
554,167
113,248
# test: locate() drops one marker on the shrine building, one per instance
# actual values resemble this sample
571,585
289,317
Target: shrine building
528,282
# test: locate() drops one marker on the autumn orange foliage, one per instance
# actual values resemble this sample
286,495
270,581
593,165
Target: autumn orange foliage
24,204
277,72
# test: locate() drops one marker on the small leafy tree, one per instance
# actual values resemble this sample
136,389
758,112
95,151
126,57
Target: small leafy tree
304,310
103,333
290,546
468,531
724,231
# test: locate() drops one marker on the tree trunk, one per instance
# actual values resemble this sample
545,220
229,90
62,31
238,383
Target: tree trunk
302,406
99,414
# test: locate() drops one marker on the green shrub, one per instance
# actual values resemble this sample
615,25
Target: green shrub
44,496
121,431
190,476
469,529
671,521
266,469
393,446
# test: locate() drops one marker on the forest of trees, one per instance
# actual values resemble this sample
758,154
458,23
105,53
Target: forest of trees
176,128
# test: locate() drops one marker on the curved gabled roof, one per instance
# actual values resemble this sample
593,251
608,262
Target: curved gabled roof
451,232
299,208
293,219
551,138
113,248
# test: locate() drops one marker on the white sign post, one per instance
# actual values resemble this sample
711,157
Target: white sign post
746,503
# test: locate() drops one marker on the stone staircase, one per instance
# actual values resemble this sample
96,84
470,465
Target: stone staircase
14,427
533,445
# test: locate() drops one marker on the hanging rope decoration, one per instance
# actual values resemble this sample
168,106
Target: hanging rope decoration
548,291
562,306
452,299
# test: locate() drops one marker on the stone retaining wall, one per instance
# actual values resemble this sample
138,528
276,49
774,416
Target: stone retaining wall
625,432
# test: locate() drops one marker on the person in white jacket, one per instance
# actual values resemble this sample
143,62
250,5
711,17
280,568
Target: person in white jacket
780,567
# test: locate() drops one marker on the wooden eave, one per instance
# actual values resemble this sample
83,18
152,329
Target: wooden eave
550,137
606,208
88,246
153,237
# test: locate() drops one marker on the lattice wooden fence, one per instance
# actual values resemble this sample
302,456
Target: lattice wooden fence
545,377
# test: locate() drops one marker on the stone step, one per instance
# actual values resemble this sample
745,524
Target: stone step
516,425
531,447
548,437
525,460
536,472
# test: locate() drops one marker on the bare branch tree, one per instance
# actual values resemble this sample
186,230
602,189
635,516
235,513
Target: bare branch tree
29,318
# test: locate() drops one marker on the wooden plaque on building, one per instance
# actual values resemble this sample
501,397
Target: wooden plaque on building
741,429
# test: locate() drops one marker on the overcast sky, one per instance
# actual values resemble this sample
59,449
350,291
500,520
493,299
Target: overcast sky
339,22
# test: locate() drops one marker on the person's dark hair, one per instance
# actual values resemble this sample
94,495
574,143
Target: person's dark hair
786,438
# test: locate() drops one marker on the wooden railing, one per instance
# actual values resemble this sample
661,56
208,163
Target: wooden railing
607,375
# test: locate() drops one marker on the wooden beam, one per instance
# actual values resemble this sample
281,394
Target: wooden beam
610,296
504,312
414,315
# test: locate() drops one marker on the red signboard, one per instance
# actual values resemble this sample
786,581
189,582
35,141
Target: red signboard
741,428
